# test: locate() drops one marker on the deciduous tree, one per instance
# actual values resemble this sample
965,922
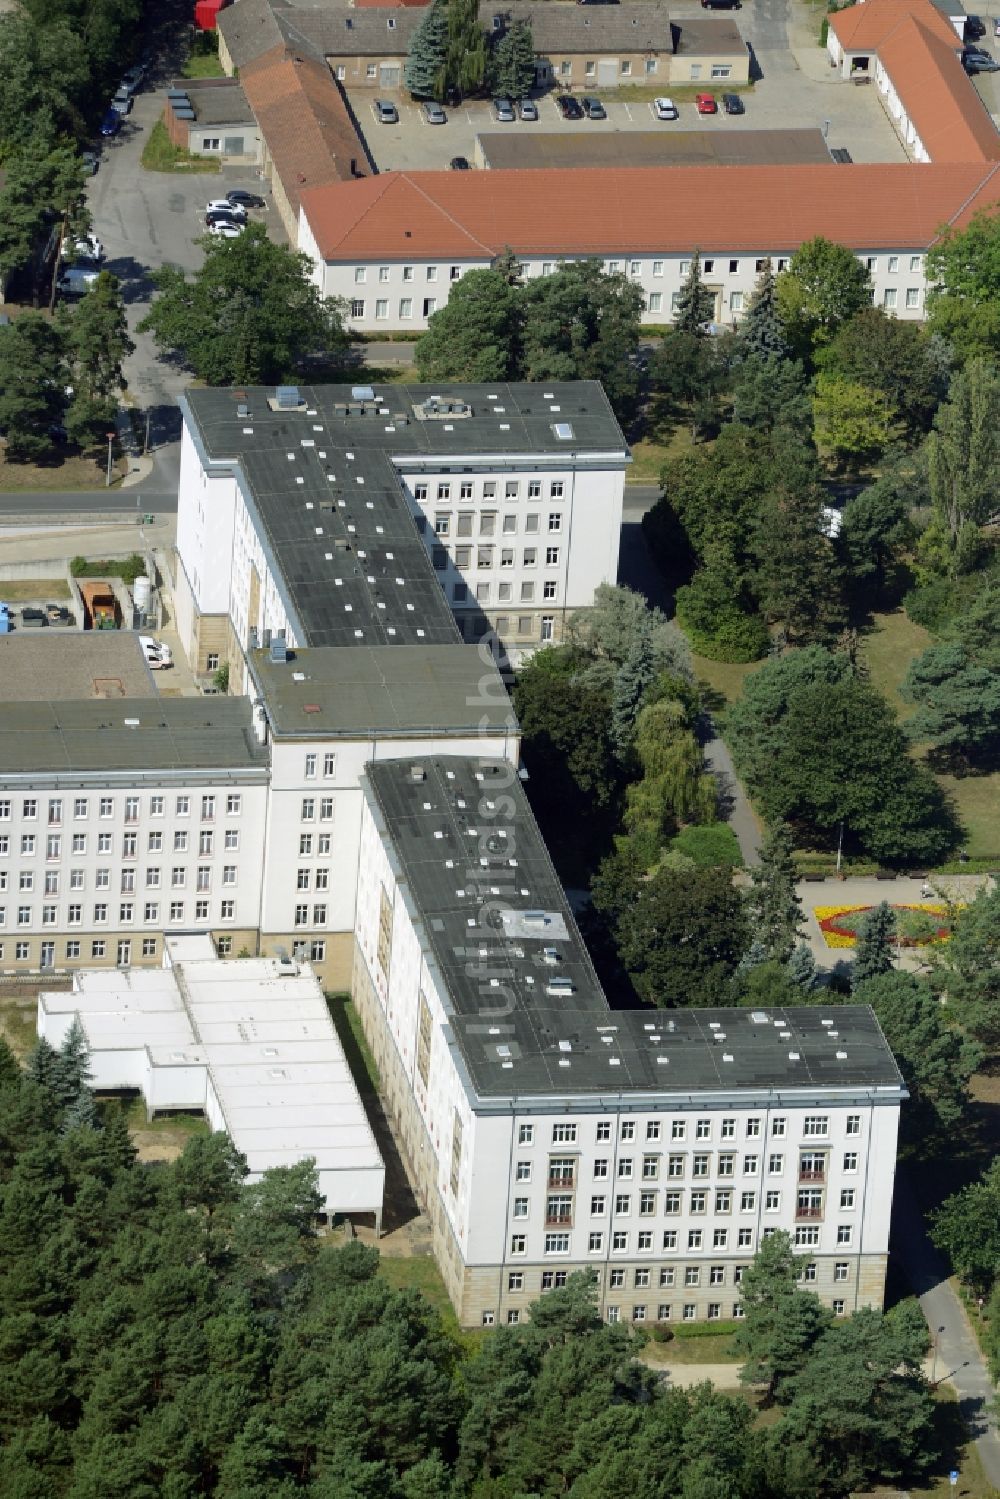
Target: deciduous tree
249,316
32,386
475,335
963,277
824,286
98,343
964,458
683,937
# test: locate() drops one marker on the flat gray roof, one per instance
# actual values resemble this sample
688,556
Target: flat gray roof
95,738
529,1014
654,148
381,689
322,482
216,101
60,662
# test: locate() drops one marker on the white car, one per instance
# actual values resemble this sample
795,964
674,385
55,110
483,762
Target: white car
225,231
84,247
665,109
158,656
223,205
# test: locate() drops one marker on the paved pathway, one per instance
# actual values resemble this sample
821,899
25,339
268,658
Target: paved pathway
958,1358
738,812
870,892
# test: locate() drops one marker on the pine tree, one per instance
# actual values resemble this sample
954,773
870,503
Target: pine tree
72,1071
512,66
43,1066
755,955
695,303
82,1112
802,966
10,1069
774,905
873,953
631,680
761,331
425,65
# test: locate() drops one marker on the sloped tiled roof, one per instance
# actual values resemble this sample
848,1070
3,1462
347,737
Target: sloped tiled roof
864,27
305,122
944,108
614,211
248,29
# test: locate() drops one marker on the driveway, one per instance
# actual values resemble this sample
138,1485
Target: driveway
957,1359
151,219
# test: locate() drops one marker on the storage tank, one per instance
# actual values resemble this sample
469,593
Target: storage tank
142,593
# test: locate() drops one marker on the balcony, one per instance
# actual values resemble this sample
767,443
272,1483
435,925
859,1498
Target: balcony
807,1174
814,1213
555,1221
562,1183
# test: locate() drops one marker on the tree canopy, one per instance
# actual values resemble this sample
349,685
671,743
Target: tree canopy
249,316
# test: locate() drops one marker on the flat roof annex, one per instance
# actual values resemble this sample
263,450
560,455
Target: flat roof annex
527,1011
473,216
197,736
407,691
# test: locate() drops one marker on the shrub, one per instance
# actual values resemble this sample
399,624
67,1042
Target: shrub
932,605
705,1329
712,844
661,1332
727,636
115,567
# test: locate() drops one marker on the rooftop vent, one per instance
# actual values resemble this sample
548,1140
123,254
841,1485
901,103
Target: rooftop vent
286,397
559,987
551,955
279,649
417,773
242,410
362,393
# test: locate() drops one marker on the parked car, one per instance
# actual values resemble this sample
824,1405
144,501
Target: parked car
225,229
733,104
980,62
84,247
91,161
569,107
111,123
665,109
32,618
58,614
156,653
706,104
223,205
503,110
219,216
433,113
76,280
238,197
386,112
459,164
975,27
122,102
135,76
528,109
594,109
720,4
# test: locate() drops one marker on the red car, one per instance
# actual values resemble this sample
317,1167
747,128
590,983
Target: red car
706,104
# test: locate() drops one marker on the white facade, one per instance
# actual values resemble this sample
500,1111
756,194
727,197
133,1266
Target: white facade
731,278
666,1198
96,867
511,540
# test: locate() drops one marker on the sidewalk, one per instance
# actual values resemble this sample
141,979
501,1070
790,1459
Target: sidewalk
56,543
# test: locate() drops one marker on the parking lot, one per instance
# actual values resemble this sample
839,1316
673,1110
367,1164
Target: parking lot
150,219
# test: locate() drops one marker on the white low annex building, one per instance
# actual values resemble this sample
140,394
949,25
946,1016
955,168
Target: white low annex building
250,1042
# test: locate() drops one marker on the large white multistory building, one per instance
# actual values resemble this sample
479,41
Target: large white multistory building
359,807
544,1132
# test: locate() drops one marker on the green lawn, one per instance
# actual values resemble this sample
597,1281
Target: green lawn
724,679
204,65
347,1023
692,1351
649,454
889,647
166,1124
159,154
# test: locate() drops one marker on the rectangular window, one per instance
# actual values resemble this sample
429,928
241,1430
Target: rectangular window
424,1034
816,1126
456,1150
526,1134
850,1160
564,1134
557,1243
845,1233
853,1124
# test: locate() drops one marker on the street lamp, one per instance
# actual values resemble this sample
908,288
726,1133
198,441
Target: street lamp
111,438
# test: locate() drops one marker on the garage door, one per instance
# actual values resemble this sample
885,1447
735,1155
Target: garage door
607,72
388,75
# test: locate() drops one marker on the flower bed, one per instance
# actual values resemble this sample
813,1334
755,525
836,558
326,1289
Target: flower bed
839,924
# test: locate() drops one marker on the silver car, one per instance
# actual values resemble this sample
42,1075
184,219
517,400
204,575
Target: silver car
433,113
528,109
503,110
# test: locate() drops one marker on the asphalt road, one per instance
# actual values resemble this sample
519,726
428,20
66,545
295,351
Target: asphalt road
95,501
